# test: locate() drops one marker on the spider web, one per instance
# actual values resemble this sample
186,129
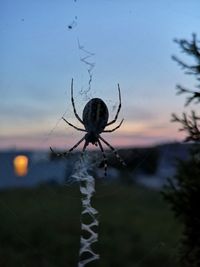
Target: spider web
87,182
87,189
85,58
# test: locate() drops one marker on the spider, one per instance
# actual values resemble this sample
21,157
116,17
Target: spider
94,119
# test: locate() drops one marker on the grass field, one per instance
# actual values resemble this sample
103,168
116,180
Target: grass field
41,227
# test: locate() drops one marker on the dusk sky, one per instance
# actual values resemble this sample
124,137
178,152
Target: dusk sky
41,48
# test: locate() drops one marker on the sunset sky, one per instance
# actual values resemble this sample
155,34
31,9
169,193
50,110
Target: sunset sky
131,41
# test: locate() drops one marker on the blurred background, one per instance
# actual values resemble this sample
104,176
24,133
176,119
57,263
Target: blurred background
44,44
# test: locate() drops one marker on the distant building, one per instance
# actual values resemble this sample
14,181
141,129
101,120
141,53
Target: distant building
40,169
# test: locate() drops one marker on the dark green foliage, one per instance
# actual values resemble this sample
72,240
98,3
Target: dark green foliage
183,191
183,194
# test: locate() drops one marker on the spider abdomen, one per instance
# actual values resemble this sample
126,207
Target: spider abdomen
95,115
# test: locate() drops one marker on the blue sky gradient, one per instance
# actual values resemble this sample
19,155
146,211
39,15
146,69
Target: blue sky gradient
132,42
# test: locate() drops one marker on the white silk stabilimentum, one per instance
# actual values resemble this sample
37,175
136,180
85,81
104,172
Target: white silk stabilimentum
89,229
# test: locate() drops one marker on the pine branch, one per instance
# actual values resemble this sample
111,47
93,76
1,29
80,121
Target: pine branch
190,48
194,94
190,124
186,194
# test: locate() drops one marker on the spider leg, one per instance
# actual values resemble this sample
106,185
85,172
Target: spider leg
70,150
72,99
70,124
114,151
104,158
84,148
112,130
119,107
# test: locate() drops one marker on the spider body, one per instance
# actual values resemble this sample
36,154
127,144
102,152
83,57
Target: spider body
95,116
95,120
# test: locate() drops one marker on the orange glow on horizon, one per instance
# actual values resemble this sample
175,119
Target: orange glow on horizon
131,127
130,134
20,165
